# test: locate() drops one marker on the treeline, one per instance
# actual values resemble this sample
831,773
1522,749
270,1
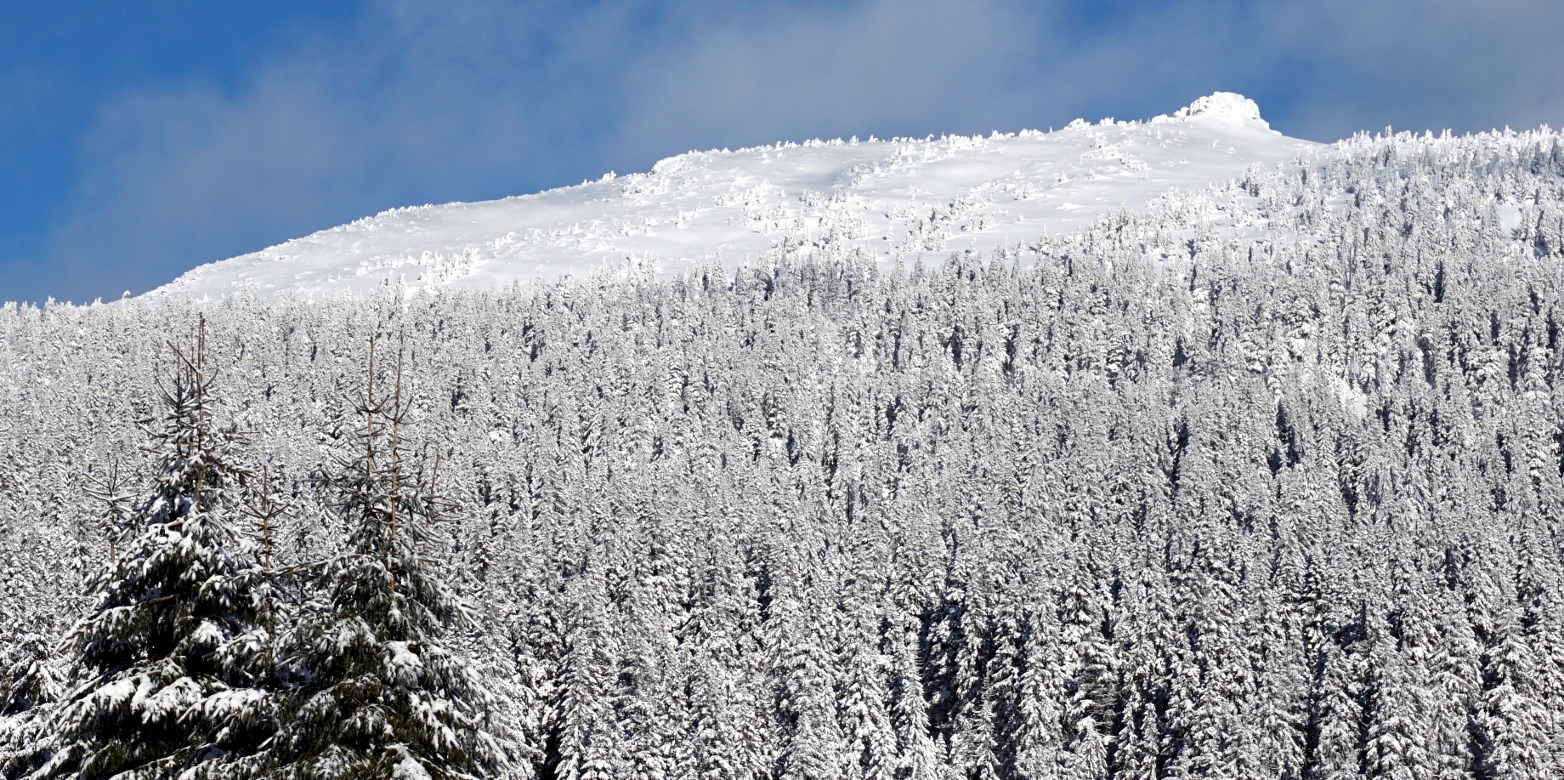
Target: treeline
1147,501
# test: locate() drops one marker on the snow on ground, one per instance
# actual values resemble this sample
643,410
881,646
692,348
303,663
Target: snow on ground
901,199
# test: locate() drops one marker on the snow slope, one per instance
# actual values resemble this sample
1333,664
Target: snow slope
900,199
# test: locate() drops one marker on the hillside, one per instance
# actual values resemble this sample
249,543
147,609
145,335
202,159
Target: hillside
896,200
1261,480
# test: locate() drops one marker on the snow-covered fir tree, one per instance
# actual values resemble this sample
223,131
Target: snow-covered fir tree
166,669
371,688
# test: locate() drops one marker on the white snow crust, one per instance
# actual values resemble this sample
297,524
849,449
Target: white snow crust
1226,107
892,200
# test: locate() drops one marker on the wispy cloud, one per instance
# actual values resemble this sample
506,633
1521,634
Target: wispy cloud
1423,64
413,106
883,65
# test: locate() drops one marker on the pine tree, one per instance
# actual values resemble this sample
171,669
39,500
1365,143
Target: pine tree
584,741
917,751
715,732
375,692
31,685
170,659
866,722
813,745
1028,691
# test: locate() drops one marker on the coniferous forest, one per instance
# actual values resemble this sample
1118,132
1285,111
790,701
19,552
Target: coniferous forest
1264,483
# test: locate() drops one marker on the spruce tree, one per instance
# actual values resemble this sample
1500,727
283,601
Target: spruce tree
30,685
168,661
374,691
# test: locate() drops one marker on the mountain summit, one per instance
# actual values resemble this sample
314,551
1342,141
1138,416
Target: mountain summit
903,199
1228,107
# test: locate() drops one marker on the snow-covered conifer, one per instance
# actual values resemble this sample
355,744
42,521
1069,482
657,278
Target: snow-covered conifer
168,665
375,692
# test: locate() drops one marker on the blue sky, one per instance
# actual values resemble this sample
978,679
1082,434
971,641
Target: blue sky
139,140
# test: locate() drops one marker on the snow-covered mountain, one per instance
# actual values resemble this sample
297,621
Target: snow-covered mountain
900,199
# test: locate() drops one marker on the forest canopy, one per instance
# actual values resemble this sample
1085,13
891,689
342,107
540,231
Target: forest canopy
1150,500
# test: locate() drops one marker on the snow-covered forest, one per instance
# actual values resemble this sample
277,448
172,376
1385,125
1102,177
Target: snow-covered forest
1151,500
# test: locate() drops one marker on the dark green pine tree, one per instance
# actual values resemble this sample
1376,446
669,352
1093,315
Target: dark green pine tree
169,662
374,692
29,687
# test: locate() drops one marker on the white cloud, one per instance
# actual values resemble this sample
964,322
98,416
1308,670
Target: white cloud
879,66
